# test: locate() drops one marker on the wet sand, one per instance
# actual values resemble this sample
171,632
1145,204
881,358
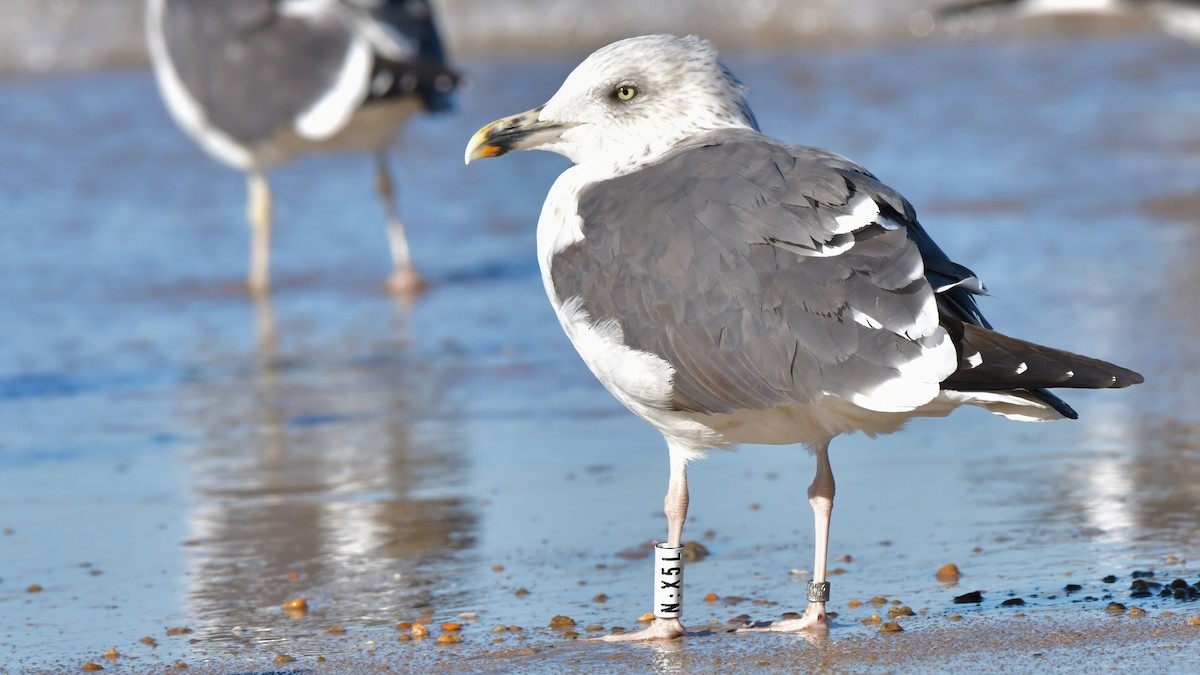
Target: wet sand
175,455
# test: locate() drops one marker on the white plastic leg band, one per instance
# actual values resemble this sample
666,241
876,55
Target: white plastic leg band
668,582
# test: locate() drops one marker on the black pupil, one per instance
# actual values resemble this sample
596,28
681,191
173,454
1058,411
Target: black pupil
625,92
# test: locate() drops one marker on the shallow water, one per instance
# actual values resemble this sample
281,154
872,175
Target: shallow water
171,452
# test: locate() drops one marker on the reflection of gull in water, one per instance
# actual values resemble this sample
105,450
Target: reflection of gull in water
257,82
310,466
1180,18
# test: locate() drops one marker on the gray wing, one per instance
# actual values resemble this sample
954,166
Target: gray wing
764,274
258,66
250,68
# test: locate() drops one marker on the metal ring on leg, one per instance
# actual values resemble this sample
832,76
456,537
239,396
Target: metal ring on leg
818,591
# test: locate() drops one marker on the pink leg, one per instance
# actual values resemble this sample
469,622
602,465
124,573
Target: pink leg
675,507
820,497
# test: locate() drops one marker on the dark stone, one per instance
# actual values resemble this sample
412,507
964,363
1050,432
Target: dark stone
1115,608
1164,593
974,597
1180,594
1071,588
1110,579
1013,602
1142,574
1140,594
1139,585
1179,583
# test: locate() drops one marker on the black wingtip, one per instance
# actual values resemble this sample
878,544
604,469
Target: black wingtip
1055,402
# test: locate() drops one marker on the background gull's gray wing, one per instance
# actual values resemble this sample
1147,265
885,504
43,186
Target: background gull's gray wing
252,69
258,66
764,274
767,274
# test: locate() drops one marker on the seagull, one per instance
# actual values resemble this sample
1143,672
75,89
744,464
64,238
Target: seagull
728,287
258,82
1179,18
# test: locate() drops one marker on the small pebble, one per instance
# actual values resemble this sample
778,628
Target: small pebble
1071,588
521,592
646,618
890,627
177,630
878,600
594,628
1137,612
34,588
448,639
293,576
1167,612
712,597
283,658
514,629
1194,621
600,597
570,634
1115,608
956,617
404,625
694,551
405,637
180,665
974,597
335,630
149,641
948,572
560,621
497,568
469,616
854,603
91,667
296,607
112,654
419,630
901,611
499,629
1110,579
1013,602
451,627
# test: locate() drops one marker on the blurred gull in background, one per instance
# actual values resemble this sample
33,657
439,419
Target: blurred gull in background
258,82
1180,18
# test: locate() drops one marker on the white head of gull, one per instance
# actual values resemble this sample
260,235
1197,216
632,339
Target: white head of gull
728,287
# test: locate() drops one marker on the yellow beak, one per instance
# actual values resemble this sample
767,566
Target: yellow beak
522,131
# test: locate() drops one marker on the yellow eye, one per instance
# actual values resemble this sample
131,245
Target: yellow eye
626,92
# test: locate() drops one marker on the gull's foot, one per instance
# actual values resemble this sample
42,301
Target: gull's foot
405,281
814,619
659,629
